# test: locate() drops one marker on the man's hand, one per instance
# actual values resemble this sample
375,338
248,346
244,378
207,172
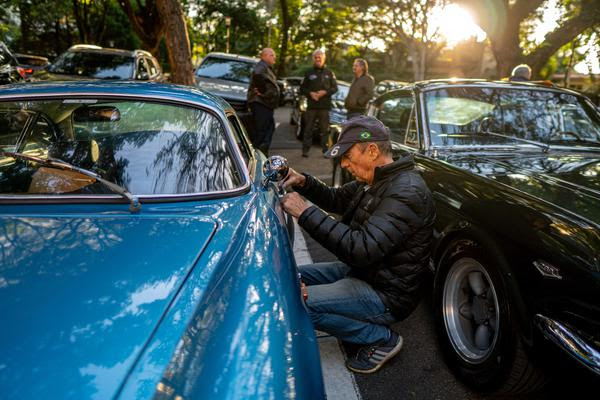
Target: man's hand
293,204
314,96
321,93
292,179
257,92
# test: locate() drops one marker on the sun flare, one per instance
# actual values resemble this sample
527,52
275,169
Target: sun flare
455,24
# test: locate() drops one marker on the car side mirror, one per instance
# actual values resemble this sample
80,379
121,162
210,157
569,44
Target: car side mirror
275,169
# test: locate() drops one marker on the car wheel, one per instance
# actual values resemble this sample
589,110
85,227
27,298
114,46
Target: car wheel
476,323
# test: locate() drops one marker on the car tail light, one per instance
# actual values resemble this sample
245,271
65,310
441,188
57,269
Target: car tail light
24,71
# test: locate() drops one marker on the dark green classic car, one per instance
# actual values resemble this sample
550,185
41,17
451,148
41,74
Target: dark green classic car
515,171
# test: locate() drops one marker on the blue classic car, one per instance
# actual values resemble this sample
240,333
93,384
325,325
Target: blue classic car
142,252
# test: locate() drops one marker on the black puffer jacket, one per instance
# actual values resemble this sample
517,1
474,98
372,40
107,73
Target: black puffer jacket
385,231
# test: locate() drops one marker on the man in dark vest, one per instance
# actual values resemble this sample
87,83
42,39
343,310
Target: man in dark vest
382,242
263,98
318,86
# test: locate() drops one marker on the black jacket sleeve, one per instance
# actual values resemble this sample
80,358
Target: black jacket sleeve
390,225
304,86
333,200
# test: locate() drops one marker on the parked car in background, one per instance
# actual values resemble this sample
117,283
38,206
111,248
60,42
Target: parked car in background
10,70
143,252
31,63
515,172
387,85
84,61
293,88
337,113
228,76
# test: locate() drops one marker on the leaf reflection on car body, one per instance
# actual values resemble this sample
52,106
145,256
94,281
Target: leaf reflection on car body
127,303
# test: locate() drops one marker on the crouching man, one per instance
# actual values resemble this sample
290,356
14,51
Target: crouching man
382,242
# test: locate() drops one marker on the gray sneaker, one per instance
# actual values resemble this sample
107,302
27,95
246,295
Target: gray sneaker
370,358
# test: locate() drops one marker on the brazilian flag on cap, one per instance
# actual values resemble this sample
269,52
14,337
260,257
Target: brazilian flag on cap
364,135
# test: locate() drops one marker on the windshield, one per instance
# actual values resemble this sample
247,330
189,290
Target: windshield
94,65
147,148
229,70
491,116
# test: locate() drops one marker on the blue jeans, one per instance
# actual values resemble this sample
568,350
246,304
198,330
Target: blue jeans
345,307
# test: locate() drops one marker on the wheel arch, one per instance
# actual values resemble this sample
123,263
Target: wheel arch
468,234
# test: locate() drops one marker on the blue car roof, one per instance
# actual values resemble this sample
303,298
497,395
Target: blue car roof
133,88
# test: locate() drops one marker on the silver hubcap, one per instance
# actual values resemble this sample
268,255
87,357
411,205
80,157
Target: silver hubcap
470,309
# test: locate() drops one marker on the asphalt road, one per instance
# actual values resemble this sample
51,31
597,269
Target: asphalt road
418,371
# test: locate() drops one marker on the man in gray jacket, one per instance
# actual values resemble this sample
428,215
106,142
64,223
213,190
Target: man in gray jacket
263,98
361,90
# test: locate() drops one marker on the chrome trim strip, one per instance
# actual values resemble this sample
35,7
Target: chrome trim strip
424,125
498,85
565,338
220,114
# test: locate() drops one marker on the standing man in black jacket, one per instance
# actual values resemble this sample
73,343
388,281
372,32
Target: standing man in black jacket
318,86
263,98
382,242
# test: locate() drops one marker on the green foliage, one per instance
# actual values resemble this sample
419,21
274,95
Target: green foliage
248,29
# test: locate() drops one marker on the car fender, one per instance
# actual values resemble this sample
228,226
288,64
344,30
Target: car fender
468,231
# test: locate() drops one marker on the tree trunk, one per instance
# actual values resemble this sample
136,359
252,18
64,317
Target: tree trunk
285,31
146,23
178,42
25,17
501,21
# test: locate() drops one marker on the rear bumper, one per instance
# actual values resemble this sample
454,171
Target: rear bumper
566,338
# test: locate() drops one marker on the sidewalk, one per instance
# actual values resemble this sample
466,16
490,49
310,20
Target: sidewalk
285,144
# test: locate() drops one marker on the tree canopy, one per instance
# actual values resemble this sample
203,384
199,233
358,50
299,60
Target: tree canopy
397,37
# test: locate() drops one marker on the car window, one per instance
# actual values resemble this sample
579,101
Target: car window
241,137
395,112
142,71
341,93
12,123
488,116
149,148
230,70
94,65
151,67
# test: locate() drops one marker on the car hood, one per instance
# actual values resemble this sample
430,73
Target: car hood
81,295
568,180
228,90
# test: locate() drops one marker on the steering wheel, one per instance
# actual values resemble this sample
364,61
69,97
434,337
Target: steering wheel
37,133
484,124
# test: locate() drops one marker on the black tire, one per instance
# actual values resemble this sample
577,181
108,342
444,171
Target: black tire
476,322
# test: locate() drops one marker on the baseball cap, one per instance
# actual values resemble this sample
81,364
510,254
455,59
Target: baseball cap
362,129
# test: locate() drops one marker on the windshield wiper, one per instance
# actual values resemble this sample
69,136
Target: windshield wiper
134,203
544,146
